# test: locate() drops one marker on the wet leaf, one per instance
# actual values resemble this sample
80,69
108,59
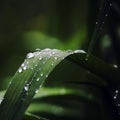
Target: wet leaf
35,69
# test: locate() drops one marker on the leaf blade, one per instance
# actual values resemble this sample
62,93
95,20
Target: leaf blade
32,74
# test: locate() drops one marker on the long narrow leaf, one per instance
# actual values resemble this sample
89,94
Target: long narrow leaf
31,75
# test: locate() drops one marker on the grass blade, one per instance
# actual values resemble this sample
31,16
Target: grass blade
27,81
32,74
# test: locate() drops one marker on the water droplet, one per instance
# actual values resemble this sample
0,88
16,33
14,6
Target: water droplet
25,68
37,91
106,15
55,58
53,53
79,51
40,58
37,49
115,97
20,70
116,91
38,79
47,49
1,99
30,55
110,4
46,76
41,74
118,105
22,65
96,23
52,64
115,66
26,87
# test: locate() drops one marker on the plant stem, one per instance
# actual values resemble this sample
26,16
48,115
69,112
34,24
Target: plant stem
103,13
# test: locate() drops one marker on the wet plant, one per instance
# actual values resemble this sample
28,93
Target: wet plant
92,95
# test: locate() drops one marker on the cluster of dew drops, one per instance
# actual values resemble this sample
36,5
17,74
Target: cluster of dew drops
40,54
116,95
49,53
30,55
54,53
117,99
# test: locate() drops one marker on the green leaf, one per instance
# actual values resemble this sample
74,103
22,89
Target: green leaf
97,66
1,95
27,81
33,72
29,116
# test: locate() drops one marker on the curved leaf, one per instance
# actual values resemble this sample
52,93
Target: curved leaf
27,80
32,73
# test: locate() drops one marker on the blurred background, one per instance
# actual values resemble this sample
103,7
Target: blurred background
26,25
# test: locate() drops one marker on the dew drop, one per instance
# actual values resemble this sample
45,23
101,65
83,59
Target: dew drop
38,79
30,55
53,53
46,76
52,64
106,15
22,65
96,23
110,4
41,74
26,87
20,70
115,97
115,66
118,105
40,58
1,99
47,49
37,49
55,58
36,91
116,91
79,51
25,68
